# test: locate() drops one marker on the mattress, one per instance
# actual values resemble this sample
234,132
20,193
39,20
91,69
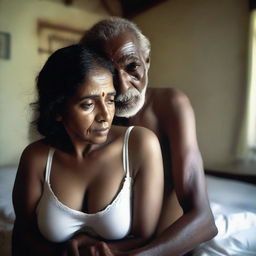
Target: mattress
234,208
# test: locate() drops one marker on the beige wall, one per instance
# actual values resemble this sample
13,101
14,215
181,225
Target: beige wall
17,75
200,46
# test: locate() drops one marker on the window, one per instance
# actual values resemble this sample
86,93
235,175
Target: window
247,145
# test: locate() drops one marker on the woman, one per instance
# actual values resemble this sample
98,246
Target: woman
86,181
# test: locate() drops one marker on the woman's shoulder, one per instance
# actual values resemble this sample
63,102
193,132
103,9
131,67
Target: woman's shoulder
36,149
137,133
143,136
143,142
142,145
144,149
34,156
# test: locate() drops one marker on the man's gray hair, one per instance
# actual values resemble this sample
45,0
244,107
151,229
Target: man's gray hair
111,27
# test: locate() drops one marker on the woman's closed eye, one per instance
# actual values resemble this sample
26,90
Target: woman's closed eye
111,101
87,105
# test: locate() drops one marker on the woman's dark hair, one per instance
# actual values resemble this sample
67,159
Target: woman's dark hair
63,73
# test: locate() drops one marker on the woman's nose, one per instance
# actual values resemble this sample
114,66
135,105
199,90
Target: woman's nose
103,113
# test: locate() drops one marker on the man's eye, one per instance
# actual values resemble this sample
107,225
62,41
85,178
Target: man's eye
132,67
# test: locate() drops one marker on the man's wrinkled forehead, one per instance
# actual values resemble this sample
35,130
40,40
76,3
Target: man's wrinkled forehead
124,45
126,51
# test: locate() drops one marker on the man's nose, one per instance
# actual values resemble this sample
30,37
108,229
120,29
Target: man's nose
103,114
124,82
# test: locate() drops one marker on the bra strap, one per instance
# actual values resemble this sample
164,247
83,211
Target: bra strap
49,165
126,151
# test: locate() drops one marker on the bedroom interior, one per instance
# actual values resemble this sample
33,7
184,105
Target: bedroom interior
202,47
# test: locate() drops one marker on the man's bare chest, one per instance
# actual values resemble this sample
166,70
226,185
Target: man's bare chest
147,119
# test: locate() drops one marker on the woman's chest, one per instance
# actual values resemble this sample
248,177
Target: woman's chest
88,186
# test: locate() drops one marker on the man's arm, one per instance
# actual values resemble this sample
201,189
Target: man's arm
196,225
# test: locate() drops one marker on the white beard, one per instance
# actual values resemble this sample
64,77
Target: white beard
129,110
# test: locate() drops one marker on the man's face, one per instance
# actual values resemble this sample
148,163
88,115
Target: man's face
132,68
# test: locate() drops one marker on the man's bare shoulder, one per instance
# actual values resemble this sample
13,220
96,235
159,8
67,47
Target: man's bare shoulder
170,96
172,100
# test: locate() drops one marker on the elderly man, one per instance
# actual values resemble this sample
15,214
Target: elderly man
186,218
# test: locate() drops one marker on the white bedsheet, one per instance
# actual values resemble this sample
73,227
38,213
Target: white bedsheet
234,207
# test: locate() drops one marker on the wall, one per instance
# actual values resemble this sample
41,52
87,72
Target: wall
200,46
17,75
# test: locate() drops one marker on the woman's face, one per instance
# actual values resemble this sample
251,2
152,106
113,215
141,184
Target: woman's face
91,109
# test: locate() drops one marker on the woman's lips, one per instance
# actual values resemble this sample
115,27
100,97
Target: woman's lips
101,131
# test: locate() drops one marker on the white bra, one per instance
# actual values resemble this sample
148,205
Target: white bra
58,223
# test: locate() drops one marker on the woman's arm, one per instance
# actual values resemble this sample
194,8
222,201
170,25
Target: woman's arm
147,171
27,191
146,160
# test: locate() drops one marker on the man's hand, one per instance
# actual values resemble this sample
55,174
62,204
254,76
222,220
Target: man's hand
83,245
71,248
99,249
76,245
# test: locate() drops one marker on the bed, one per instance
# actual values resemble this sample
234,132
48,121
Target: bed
233,203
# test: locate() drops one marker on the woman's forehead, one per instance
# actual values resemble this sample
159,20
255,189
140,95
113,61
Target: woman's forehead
98,83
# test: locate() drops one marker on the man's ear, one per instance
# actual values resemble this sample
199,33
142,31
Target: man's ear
147,60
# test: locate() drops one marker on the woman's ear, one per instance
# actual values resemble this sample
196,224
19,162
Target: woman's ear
59,118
